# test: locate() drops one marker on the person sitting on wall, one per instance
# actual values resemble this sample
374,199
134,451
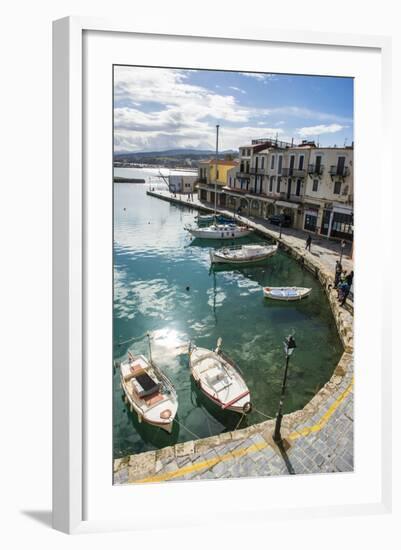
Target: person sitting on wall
339,269
343,292
349,278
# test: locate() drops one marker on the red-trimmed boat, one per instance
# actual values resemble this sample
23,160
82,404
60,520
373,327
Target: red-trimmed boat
220,379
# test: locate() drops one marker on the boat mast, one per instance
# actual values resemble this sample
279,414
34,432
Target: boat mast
215,178
150,347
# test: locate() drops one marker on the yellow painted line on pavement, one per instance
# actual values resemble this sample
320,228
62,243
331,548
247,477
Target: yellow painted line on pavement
251,449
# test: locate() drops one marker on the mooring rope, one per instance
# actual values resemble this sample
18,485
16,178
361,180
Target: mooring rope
188,430
240,420
263,414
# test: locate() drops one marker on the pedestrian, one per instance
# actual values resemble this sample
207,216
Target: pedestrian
344,291
349,278
308,243
339,269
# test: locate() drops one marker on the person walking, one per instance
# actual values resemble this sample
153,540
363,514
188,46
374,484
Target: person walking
308,243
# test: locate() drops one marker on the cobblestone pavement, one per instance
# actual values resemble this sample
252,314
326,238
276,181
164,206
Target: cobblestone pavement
316,439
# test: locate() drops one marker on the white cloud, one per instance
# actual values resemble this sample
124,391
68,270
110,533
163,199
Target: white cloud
174,113
237,89
307,131
303,112
160,109
256,76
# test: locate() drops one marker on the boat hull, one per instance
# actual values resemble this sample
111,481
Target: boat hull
235,402
151,414
286,294
218,257
221,233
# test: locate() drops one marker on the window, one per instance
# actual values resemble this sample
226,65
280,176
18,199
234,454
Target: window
272,164
337,187
249,153
278,183
298,188
262,163
271,183
315,185
280,164
301,162
229,182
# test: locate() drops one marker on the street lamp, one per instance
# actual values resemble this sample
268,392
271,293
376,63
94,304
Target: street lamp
289,346
342,249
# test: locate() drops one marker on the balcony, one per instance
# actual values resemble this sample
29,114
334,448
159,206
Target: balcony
201,180
338,171
315,169
293,173
243,174
289,198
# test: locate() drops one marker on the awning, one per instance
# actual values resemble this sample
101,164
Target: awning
259,198
287,204
343,209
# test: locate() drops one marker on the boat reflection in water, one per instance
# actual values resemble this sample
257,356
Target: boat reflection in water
213,412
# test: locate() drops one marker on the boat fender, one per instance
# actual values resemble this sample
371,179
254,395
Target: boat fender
247,408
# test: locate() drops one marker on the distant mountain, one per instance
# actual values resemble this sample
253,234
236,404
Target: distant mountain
171,153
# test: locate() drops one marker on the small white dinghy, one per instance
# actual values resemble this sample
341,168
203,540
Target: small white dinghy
245,254
219,231
149,392
219,379
286,293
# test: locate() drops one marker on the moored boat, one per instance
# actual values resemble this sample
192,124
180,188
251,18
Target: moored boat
219,378
148,391
209,218
219,231
245,254
286,293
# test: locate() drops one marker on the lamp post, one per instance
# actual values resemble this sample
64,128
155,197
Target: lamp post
289,346
281,226
342,249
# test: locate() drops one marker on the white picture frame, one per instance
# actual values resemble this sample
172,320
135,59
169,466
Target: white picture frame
70,259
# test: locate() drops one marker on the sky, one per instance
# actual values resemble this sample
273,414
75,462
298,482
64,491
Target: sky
156,109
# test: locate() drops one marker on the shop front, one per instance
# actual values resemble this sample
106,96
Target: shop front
338,222
310,219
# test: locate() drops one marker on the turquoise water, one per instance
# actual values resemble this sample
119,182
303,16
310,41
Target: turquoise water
154,261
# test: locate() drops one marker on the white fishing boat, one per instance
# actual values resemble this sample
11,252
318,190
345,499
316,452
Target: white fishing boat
219,379
148,391
219,231
242,254
286,293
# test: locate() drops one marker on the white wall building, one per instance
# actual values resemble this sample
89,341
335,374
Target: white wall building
313,185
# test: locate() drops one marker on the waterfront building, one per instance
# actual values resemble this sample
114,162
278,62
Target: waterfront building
311,184
182,182
207,177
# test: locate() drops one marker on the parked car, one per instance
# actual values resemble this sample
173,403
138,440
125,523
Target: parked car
283,219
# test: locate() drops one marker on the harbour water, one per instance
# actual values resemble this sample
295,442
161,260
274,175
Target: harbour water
155,260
